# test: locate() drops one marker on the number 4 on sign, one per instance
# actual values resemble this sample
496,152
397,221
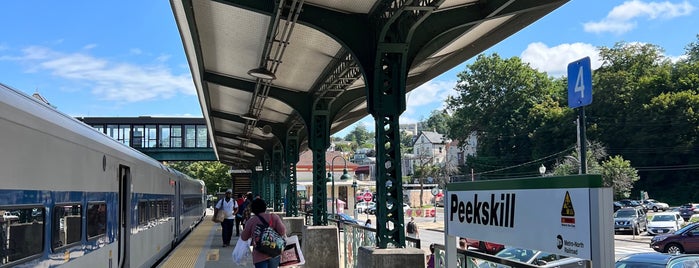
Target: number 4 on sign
579,83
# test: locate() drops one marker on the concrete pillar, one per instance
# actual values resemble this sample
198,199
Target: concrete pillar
321,247
294,226
391,257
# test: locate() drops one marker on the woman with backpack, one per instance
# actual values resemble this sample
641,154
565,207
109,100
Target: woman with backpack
259,208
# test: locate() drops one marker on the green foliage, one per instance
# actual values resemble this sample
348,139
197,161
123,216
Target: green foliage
214,174
644,112
438,121
406,142
618,174
359,135
518,113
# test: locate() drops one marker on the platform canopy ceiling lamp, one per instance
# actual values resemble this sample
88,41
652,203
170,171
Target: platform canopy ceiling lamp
262,73
249,116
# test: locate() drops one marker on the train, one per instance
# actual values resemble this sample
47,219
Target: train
72,196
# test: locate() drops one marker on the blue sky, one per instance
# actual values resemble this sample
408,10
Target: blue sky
125,58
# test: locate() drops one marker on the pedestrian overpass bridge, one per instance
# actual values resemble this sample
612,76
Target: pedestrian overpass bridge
162,138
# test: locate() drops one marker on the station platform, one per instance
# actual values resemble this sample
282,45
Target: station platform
202,248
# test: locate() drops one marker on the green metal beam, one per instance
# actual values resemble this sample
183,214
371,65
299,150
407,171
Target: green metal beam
192,154
319,143
277,176
292,157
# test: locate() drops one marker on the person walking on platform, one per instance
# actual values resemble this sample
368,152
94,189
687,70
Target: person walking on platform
228,205
411,229
240,216
259,207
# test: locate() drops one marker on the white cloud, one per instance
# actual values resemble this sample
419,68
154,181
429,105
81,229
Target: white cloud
89,46
112,81
431,93
621,18
554,60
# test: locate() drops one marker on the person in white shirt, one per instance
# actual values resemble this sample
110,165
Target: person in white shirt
230,206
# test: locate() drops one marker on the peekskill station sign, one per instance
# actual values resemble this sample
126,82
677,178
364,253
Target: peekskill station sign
551,214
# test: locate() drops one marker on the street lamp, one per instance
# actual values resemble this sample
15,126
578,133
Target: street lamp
542,170
345,176
354,196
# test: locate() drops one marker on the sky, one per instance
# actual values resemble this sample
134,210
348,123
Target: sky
125,58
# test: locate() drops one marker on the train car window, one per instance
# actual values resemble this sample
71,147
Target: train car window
165,209
153,213
142,212
96,219
21,233
67,225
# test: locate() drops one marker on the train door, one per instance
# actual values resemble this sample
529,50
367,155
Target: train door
178,211
124,215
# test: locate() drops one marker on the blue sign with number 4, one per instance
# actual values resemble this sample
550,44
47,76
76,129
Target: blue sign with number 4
579,83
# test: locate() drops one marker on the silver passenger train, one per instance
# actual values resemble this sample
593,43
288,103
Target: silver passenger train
73,197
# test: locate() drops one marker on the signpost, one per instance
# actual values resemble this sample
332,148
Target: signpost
579,96
435,192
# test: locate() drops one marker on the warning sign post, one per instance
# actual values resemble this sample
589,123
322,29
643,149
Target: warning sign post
567,215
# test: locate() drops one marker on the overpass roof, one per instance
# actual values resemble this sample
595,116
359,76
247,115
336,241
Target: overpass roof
320,49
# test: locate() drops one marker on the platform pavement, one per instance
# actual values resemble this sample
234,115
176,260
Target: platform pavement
206,238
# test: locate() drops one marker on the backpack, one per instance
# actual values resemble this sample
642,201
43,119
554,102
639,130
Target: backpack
266,240
411,227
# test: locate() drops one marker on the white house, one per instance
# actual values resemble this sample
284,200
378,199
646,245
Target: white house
430,147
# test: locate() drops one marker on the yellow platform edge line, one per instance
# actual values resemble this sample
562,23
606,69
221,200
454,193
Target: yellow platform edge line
187,253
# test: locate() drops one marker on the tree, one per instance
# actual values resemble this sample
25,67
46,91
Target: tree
214,174
618,174
406,142
510,106
438,121
359,135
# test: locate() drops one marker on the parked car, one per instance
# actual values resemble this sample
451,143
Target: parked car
484,246
342,219
536,257
652,204
617,206
684,240
8,216
363,206
657,260
664,223
630,219
630,203
689,209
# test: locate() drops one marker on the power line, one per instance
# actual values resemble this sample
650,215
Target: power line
528,163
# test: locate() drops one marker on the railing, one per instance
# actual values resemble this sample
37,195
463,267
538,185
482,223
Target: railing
356,236
470,258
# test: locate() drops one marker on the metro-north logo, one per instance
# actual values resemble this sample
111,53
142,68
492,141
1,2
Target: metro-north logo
489,211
